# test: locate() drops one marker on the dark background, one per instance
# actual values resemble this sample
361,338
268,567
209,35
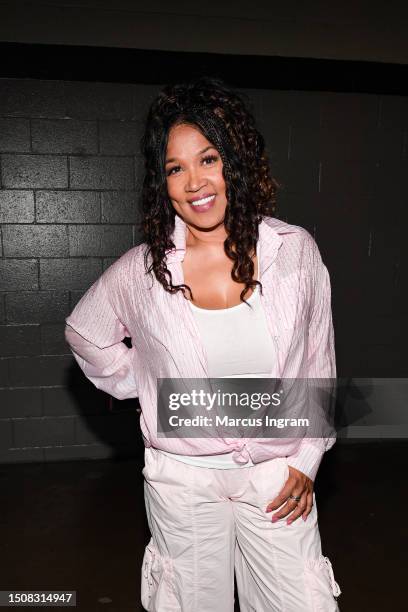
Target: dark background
327,82
69,205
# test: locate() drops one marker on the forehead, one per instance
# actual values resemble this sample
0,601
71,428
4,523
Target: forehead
184,134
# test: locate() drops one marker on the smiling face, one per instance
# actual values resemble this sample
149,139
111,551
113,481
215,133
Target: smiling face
195,183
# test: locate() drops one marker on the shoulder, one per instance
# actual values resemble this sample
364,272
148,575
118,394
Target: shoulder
283,228
293,237
127,266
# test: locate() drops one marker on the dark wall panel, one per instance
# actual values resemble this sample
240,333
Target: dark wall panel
70,173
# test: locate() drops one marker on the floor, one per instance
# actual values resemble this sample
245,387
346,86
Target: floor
81,526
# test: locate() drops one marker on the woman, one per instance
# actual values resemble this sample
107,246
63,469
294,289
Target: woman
219,288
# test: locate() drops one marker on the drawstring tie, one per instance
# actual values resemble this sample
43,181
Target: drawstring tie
153,559
335,587
241,455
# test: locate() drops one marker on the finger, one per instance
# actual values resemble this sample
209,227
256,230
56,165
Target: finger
277,502
282,495
309,506
289,507
298,511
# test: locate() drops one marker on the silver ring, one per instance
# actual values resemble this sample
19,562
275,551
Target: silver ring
295,497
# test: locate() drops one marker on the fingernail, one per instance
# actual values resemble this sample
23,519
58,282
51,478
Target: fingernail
267,509
289,521
304,517
275,518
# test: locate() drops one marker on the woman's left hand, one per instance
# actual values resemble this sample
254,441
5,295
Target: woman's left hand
298,485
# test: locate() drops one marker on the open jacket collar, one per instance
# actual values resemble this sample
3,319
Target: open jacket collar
270,239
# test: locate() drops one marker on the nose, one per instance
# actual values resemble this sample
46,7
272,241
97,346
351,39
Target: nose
194,180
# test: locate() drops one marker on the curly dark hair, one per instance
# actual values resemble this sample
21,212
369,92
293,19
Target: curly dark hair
223,117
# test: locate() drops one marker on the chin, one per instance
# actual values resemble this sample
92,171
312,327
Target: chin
204,221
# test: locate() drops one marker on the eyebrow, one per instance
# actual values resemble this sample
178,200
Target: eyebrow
172,159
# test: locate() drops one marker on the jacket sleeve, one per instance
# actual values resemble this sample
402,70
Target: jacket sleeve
94,334
321,366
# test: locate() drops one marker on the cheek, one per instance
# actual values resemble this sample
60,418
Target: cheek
217,180
171,191
221,187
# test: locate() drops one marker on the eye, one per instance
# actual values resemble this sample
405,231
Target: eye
169,172
210,158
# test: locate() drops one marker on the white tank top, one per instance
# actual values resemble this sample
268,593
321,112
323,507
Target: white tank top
238,345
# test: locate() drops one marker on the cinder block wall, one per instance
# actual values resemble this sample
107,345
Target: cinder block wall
70,175
70,180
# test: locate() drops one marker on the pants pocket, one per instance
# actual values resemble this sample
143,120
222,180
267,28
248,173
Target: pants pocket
270,478
157,586
322,586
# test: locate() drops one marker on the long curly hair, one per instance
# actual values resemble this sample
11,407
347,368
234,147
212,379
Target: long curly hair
223,117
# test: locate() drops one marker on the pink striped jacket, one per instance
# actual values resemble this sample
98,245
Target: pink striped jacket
166,343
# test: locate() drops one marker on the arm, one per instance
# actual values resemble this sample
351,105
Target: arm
320,365
110,369
94,334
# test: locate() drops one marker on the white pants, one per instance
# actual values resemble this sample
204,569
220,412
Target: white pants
206,522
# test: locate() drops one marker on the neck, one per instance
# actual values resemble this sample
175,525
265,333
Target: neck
211,238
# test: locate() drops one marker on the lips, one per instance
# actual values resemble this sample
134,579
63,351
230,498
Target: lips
205,199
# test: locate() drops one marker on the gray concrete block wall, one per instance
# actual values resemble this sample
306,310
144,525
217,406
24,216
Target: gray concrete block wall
345,173
70,178
70,174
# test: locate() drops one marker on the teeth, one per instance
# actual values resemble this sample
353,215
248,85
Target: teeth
203,201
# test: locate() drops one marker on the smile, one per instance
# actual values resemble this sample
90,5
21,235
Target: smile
202,201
